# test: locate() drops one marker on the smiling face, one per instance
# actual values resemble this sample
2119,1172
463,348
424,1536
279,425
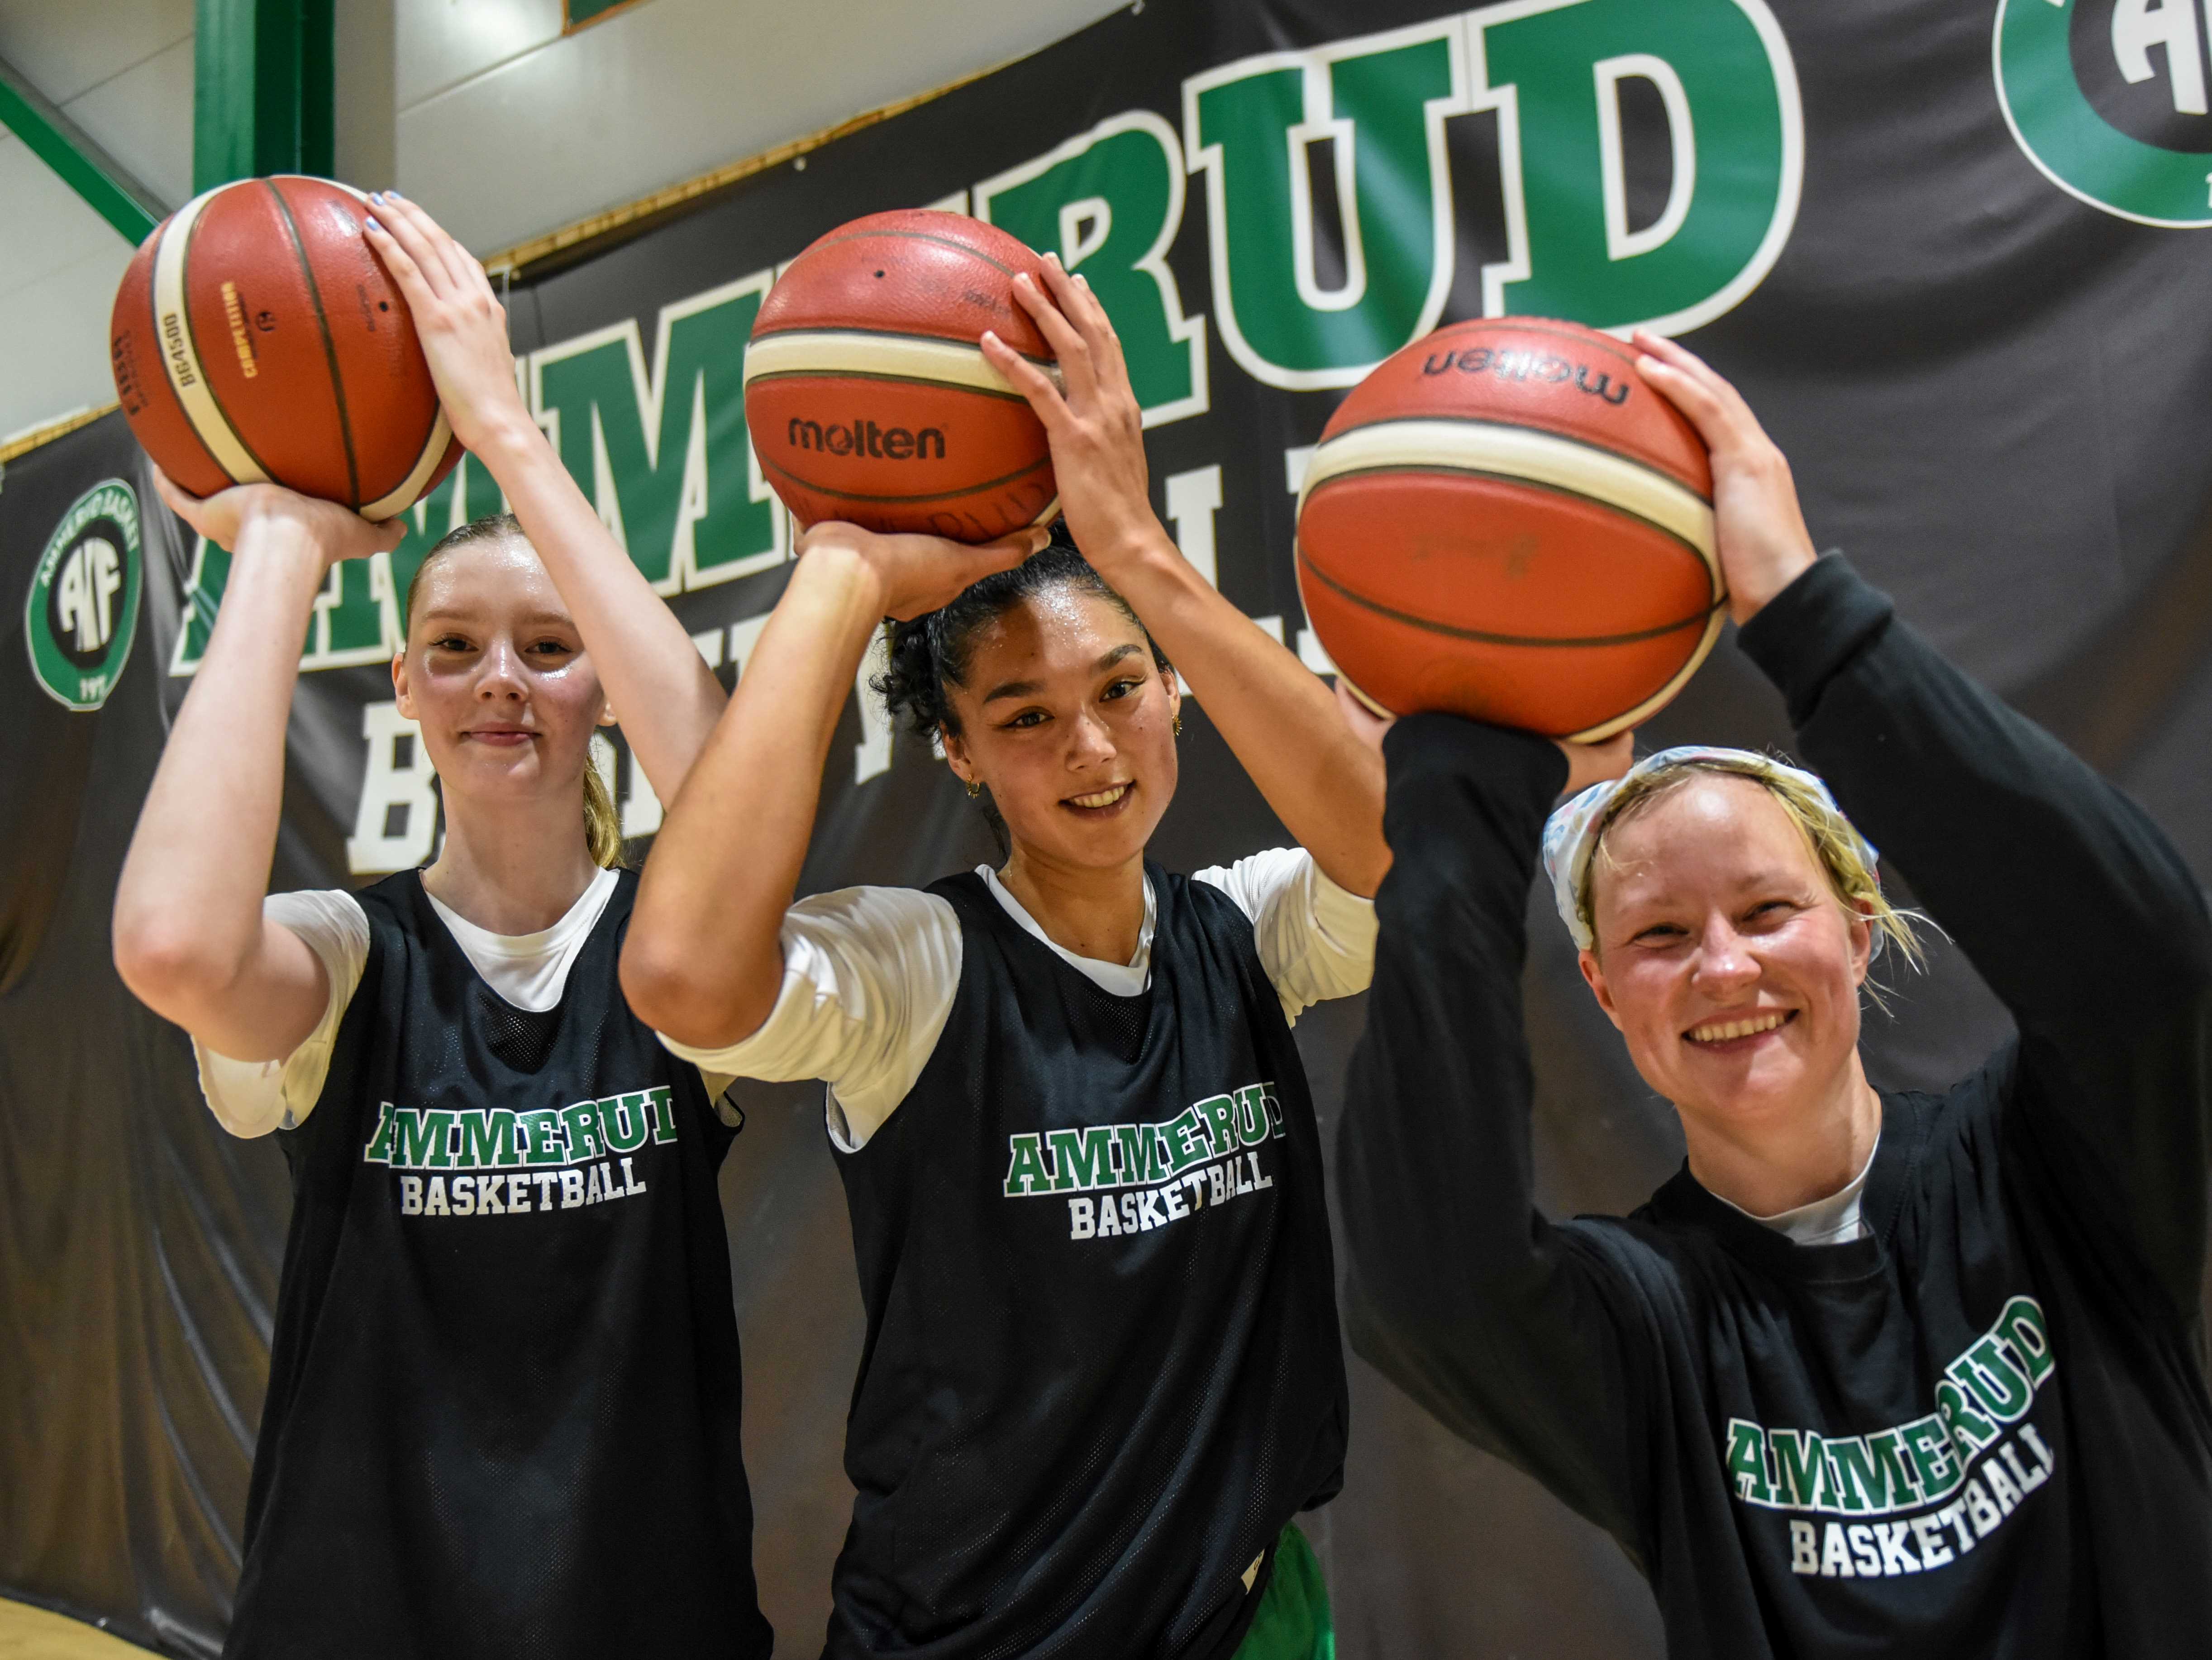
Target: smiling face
1067,718
495,675
1725,958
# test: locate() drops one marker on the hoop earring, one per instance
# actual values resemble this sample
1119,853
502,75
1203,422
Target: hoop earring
975,790
1176,725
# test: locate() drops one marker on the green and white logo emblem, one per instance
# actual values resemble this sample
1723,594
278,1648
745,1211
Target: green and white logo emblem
2103,117
83,610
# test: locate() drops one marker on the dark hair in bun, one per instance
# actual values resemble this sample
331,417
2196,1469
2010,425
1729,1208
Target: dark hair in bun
930,654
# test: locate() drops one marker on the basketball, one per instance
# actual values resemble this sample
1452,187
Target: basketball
258,338
866,392
1506,520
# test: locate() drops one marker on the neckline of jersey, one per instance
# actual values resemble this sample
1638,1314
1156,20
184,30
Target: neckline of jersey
1130,979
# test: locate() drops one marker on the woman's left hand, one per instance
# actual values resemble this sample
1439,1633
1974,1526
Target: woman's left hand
1095,427
1764,543
457,318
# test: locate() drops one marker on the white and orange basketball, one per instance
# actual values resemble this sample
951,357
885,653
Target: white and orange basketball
258,338
1506,520
866,391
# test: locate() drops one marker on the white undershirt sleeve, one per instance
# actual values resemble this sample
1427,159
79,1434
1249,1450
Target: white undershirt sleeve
1315,940
869,977
253,1097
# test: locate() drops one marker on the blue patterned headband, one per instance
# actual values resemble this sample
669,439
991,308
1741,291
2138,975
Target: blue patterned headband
1570,834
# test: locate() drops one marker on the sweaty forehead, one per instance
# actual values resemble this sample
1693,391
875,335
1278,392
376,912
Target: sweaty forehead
1064,629
1713,834
502,577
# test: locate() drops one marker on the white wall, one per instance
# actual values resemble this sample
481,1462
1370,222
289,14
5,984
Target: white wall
122,70
480,109
507,128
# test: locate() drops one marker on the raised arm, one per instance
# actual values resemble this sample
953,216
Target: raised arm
703,961
189,937
1279,717
661,688
2073,906
1457,1287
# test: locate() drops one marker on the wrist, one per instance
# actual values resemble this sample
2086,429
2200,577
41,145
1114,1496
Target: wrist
1751,591
834,565
507,437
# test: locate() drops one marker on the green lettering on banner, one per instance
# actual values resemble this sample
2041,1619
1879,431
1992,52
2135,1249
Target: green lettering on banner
1747,1460
1553,69
1109,202
665,456
1375,109
2000,1387
1962,1424
1185,1148
2061,131
1082,1158
1869,1473
1935,1463
663,1113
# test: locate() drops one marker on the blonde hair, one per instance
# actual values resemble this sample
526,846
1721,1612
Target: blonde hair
603,834
1841,852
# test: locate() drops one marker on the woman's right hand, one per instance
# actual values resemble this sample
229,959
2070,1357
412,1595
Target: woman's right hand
224,518
917,575
1596,763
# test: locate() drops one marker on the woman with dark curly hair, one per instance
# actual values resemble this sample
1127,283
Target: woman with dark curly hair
1103,1370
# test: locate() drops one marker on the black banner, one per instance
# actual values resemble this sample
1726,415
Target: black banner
1947,251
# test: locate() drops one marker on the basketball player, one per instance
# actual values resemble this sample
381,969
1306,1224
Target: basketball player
502,1414
1913,1375
1103,1368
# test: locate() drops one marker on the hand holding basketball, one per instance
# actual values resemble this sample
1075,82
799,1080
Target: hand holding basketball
336,532
457,318
1095,426
915,575
1764,545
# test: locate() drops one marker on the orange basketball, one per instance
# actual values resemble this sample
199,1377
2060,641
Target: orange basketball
1506,520
258,338
866,392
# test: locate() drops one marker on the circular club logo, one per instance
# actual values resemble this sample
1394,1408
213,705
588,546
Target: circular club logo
2108,98
82,608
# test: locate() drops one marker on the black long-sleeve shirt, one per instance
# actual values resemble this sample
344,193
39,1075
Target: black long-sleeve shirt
1981,1430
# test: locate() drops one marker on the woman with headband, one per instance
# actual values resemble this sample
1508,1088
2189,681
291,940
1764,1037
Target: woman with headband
1910,1374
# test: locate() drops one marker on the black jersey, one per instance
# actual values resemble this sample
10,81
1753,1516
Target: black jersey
1103,1368
502,1417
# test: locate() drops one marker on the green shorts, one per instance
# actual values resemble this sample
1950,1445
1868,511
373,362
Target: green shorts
1293,1623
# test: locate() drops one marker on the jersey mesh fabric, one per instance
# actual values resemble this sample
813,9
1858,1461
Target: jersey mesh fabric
1067,1444
503,1416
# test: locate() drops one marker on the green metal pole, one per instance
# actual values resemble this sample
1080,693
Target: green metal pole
86,168
264,93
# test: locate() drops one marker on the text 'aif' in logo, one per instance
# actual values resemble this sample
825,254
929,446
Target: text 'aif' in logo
2108,98
81,612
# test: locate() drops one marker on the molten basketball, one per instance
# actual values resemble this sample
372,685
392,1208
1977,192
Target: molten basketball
258,338
1506,520
866,392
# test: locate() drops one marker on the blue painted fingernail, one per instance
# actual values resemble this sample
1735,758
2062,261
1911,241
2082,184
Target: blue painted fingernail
372,224
394,195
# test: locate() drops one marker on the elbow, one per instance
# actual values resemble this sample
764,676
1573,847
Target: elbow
670,989
168,965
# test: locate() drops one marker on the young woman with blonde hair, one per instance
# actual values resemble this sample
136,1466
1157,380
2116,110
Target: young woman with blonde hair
1896,1373
502,1414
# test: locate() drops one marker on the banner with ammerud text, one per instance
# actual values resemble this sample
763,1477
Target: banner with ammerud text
1952,252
